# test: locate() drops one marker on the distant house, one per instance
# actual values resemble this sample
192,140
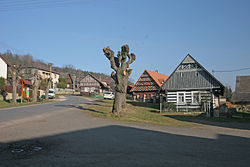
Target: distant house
110,83
148,85
70,81
242,90
90,84
192,87
45,72
4,65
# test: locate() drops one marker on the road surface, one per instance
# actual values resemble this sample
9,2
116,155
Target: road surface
60,134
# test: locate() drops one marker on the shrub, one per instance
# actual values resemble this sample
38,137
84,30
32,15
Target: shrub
167,106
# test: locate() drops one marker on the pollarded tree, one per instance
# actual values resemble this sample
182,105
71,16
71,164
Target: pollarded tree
37,80
121,74
15,77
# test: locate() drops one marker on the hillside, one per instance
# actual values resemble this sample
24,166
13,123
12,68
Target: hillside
28,60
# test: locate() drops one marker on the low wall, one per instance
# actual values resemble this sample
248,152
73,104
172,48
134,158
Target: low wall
61,91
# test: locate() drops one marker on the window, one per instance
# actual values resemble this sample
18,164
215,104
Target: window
196,97
181,97
146,96
181,74
196,74
86,89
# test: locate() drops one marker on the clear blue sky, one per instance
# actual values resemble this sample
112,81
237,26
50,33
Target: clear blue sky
161,33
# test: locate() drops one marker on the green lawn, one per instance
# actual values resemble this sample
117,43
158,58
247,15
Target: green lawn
8,104
149,113
136,112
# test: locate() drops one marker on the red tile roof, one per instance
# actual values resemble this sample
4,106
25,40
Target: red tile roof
157,77
26,82
5,60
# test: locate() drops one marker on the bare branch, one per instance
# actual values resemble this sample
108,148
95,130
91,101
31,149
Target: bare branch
124,54
129,71
110,55
132,58
113,75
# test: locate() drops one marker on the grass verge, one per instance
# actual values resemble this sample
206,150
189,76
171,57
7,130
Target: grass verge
8,104
149,113
135,112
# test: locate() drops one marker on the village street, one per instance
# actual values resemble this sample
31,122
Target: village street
60,134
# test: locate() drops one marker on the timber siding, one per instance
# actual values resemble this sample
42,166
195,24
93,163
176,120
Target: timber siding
191,86
242,90
194,79
91,84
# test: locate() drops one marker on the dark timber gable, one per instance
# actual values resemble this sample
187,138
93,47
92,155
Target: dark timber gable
190,75
148,85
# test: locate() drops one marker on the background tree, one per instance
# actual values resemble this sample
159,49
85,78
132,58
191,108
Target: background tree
62,83
15,76
121,74
36,83
48,82
2,84
228,93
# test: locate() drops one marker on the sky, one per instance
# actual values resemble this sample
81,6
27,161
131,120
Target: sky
159,32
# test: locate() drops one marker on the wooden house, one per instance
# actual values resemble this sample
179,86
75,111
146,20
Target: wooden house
242,90
90,84
148,85
192,87
70,81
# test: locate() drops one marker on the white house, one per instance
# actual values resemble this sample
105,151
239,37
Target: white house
44,72
4,64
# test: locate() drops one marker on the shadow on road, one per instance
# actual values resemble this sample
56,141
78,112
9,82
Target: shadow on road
126,146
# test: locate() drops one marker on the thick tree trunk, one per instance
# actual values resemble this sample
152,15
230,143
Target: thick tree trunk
117,106
120,94
35,89
14,86
47,90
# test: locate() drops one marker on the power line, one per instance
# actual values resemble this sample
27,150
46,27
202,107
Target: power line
235,70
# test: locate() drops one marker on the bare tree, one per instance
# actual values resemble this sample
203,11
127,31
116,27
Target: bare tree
37,81
121,74
48,82
15,71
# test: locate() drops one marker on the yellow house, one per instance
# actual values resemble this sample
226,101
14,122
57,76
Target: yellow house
45,72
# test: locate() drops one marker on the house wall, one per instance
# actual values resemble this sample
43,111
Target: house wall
145,88
147,96
89,84
3,69
191,100
45,74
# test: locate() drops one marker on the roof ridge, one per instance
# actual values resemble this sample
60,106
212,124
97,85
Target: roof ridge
5,60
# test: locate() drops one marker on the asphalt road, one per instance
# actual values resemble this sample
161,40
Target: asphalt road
60,134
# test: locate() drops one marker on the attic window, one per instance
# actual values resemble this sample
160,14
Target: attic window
196,74
181,74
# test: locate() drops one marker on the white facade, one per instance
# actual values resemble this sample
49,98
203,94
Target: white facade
3,69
